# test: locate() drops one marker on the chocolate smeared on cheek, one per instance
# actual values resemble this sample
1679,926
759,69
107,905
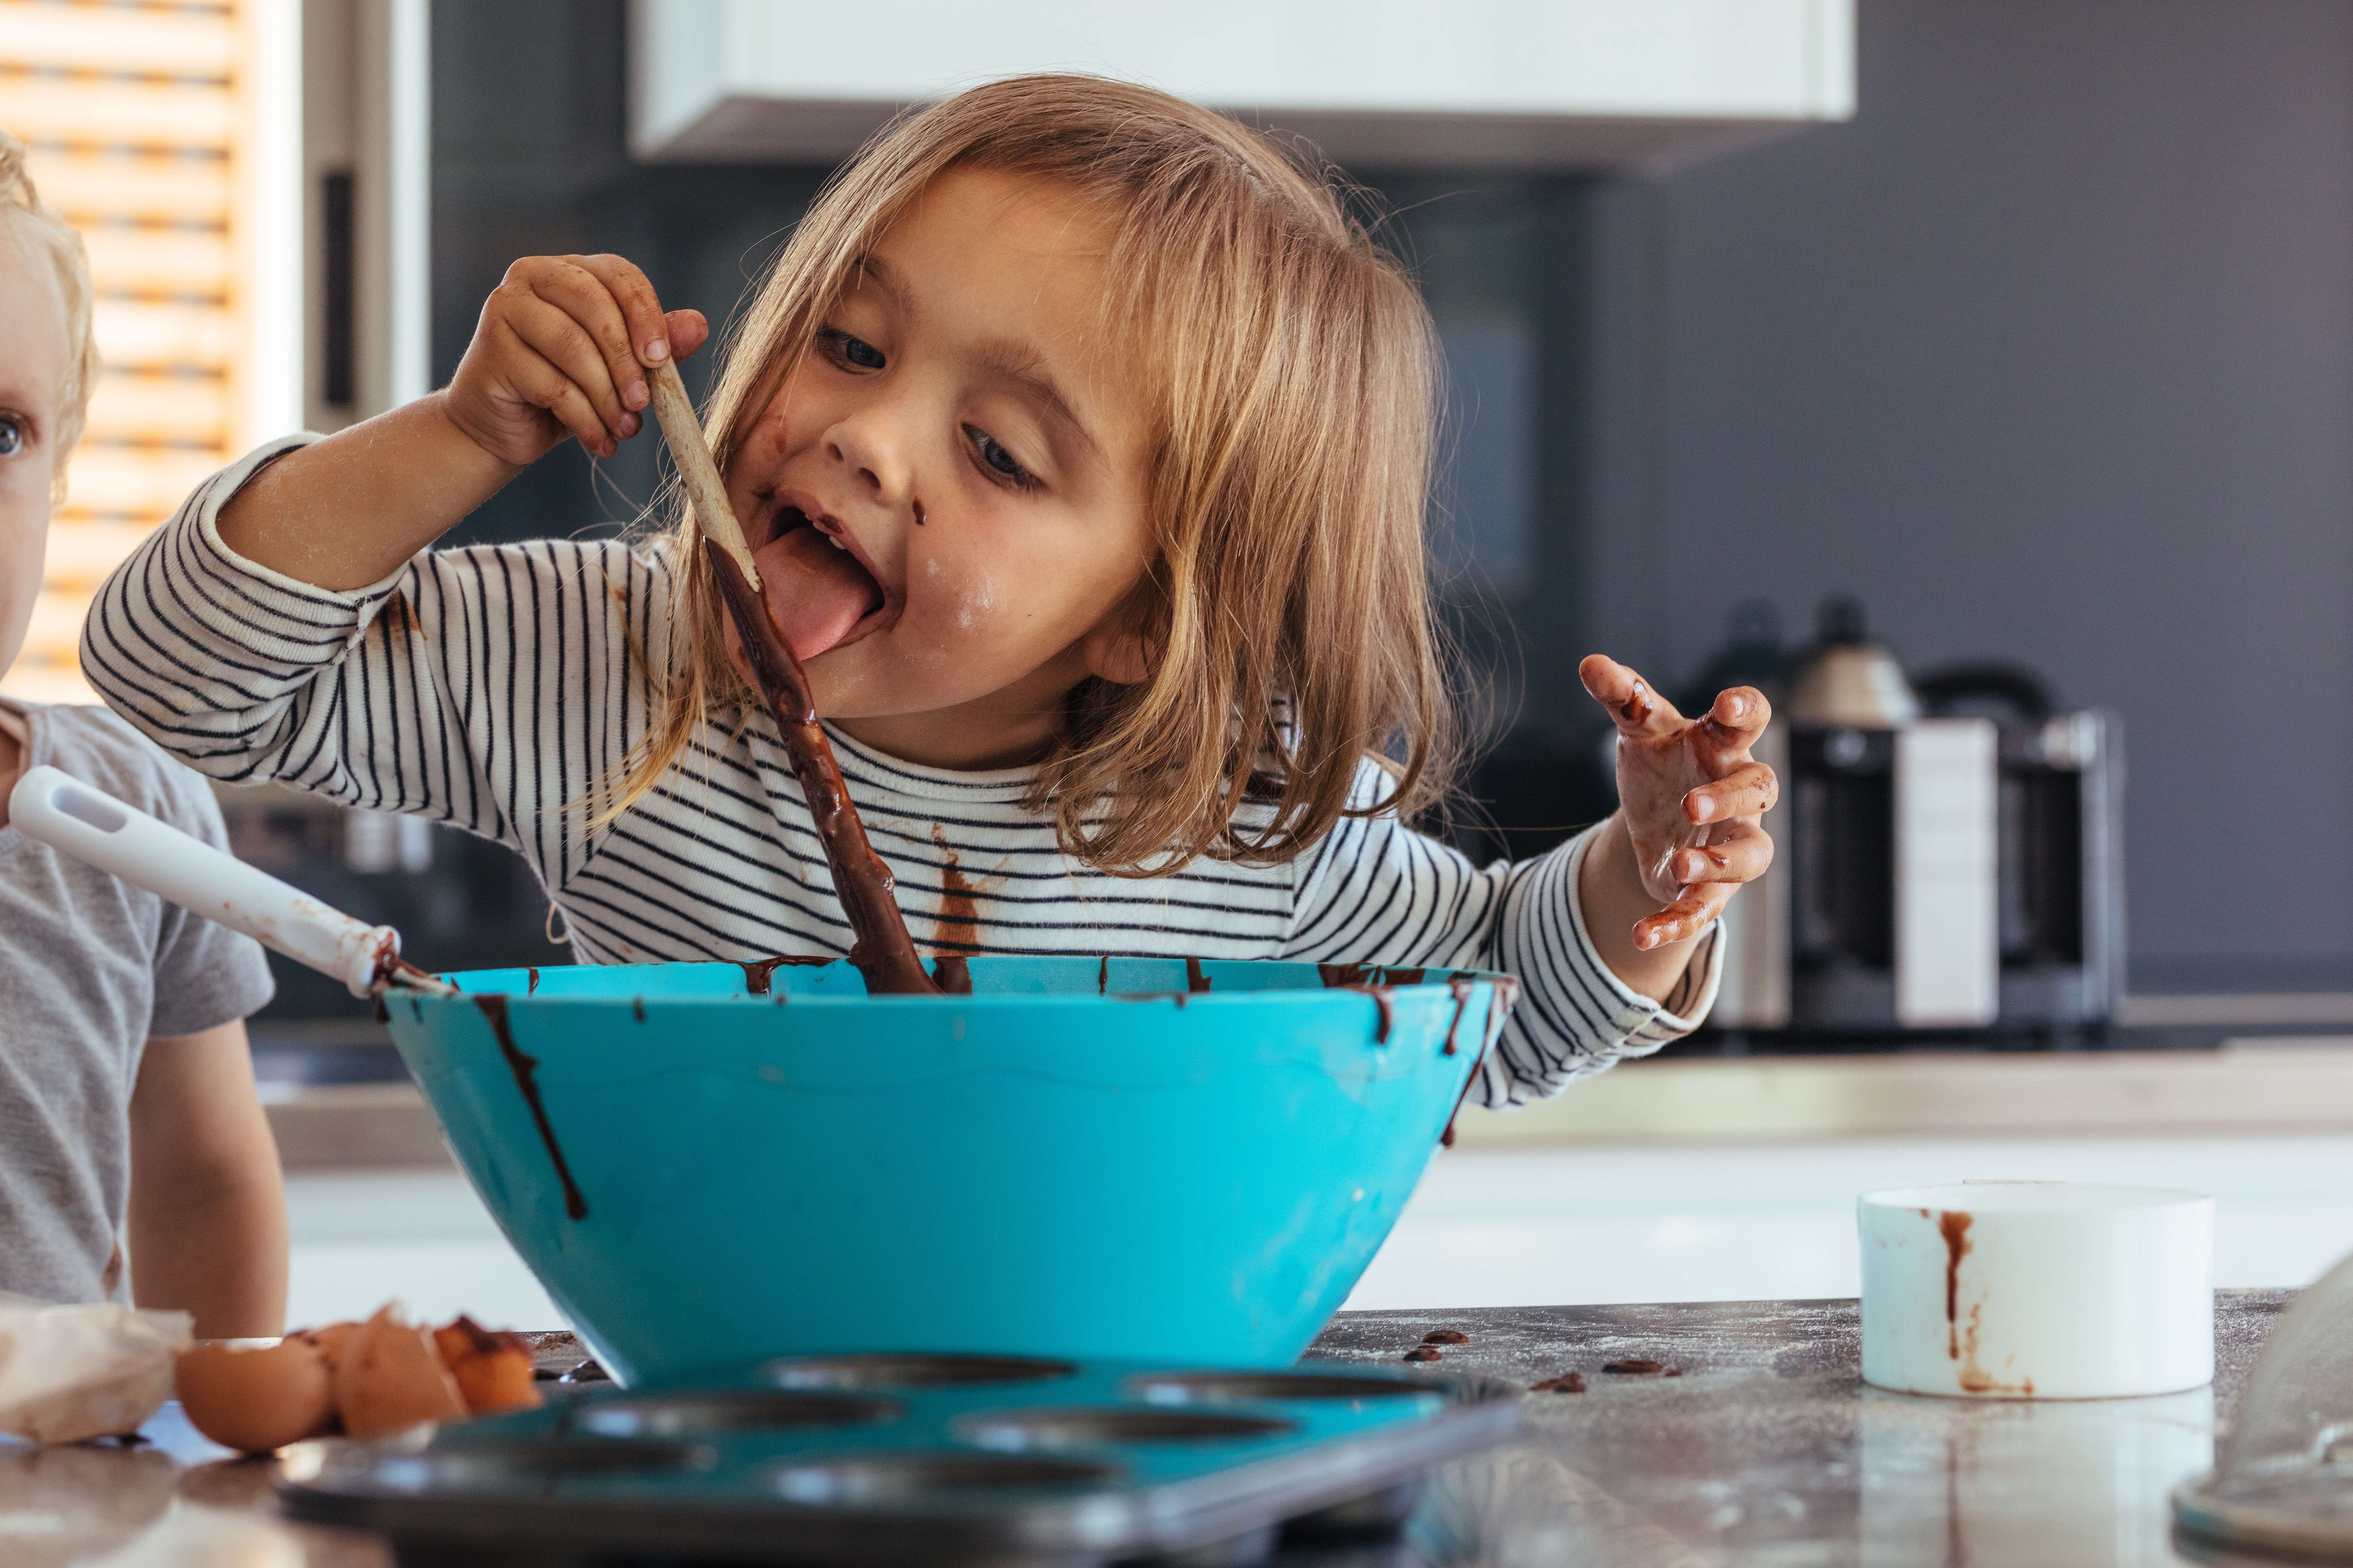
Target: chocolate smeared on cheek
527,1075
881,947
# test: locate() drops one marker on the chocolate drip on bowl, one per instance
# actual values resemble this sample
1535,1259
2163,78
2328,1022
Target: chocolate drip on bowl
525,1068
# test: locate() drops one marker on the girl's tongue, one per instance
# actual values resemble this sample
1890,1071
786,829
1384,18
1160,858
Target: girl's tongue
817,590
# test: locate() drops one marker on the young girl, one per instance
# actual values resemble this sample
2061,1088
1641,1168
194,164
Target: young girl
128,1116
1083,442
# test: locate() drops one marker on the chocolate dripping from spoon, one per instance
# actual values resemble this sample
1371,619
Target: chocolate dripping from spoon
880,945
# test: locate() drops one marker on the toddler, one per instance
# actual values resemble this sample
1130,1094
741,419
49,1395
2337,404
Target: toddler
127,1107
1083,442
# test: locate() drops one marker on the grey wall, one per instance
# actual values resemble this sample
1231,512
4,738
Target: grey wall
2047,354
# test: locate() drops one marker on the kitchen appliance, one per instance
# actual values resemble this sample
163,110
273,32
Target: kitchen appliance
2037,1291
919,1459
1949,853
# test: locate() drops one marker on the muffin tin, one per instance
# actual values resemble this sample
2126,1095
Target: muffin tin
917,1458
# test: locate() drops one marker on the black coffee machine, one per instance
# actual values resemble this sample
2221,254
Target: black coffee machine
1950,852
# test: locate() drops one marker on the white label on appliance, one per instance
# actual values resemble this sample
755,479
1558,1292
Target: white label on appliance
1947,931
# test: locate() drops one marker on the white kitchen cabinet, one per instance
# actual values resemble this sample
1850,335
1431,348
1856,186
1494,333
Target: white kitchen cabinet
1475,83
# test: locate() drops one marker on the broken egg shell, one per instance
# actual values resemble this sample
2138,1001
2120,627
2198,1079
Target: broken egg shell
461,1337
329,1339
254,1395
494,1369
495,1381
390,1376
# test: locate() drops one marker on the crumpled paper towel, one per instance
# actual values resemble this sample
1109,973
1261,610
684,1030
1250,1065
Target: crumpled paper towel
72,1373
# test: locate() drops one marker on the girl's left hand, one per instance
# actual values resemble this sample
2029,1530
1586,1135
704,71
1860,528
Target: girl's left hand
1690,796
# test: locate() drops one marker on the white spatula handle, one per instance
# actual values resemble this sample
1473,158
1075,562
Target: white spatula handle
91,825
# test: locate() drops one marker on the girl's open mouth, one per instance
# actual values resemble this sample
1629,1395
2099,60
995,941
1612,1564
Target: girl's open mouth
822,593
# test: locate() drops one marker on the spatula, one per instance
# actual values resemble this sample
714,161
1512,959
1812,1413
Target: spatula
91,825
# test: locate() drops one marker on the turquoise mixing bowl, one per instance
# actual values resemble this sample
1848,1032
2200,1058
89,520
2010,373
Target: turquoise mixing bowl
1082,1157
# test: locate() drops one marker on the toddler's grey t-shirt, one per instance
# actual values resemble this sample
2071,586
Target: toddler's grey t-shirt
89,968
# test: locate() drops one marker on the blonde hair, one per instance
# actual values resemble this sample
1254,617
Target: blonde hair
23,212
1289,363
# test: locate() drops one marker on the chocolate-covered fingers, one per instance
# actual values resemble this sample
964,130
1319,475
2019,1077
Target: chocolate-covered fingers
1738,715
1748,790
648,327
543,383
1685,918
560,340
1741,854
581,295
1633,706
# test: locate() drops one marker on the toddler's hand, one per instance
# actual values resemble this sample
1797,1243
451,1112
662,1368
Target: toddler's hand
1690,796
559,349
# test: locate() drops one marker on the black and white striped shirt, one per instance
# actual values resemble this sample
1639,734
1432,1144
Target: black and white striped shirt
493,686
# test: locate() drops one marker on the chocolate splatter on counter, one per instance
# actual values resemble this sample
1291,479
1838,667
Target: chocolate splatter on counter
1635,1366
1425,1353
1566,1383
1196,980
527,1075
1445,1337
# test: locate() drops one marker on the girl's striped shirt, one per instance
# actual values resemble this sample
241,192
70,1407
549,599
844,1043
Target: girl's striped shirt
495,686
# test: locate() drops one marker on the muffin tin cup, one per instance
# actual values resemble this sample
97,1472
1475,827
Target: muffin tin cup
919,1458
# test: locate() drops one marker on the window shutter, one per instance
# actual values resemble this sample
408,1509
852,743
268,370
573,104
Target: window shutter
137,118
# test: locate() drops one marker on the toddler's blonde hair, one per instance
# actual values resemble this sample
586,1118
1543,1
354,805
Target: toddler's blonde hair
23,212
1288,363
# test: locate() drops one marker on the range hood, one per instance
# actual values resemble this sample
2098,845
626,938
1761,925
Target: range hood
1471,84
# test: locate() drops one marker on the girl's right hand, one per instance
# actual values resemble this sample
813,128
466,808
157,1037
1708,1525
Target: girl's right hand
561,350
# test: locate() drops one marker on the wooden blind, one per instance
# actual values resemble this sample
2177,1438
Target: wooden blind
136,116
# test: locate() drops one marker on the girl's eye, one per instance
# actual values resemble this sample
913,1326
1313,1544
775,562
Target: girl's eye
999,462
855,352
11,435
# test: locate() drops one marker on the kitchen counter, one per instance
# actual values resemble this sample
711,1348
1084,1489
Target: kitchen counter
2271,1084
1766,1450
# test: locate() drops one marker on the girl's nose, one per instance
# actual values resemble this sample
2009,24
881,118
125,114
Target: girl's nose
867,448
